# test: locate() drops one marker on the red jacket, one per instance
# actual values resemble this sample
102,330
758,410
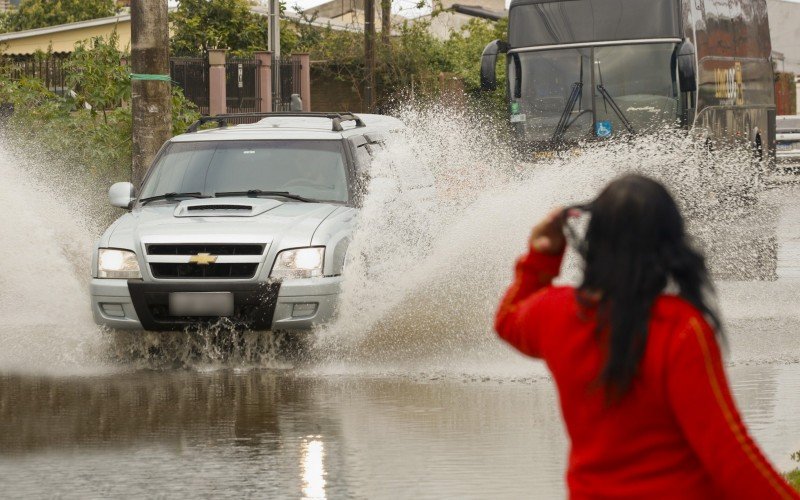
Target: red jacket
676,434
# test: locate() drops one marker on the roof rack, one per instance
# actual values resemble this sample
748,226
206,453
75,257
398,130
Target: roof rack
222,120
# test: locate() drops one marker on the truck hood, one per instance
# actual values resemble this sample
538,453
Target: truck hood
289,224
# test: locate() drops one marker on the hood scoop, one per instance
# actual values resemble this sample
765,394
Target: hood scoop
220,207
225,207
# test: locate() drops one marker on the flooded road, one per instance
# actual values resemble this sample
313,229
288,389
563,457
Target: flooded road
288,434
409,395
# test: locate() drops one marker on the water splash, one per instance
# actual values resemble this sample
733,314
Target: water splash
51,219
223,344
44,269
423,277
449,208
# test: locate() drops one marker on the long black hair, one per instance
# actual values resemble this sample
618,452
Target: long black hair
635,245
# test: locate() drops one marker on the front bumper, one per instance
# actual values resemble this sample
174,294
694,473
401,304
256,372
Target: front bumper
297,304
788,156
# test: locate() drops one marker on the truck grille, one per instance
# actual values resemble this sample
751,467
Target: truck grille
212,271
213,249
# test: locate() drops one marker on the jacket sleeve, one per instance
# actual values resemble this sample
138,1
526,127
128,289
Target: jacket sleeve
517,320
702,402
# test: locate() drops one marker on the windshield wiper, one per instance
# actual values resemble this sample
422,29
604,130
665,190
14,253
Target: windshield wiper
170,196
258,192
563,122
610,100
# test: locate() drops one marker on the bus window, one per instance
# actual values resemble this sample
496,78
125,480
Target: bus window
640,80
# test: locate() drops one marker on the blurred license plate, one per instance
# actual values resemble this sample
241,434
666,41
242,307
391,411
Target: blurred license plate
201,304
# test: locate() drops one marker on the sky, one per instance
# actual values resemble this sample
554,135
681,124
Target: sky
406,7
405,3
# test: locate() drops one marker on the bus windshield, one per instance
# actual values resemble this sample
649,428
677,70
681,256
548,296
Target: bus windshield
578,93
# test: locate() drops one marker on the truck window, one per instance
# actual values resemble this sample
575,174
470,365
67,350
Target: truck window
312,169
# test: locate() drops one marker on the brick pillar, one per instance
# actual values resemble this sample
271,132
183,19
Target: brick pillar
217,99
797,95
305,79
264,81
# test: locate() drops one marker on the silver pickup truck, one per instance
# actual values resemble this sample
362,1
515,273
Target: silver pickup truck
249,222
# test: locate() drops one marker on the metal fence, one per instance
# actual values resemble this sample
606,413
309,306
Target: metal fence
289,84
242,82
50,70
191,75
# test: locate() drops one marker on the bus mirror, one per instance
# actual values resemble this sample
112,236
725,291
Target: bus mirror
687,70
489,64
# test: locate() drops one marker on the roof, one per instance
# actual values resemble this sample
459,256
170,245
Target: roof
294,128
62,38
478,11
48,30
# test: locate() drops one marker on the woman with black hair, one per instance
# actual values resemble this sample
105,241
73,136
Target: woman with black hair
641,383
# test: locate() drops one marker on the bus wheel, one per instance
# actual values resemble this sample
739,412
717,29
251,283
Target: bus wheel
758,149
758,163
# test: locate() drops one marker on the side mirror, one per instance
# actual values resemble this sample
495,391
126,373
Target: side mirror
489,64
687,70
121,194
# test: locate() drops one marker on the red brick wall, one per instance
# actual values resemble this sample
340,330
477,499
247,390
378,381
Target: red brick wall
785,89
329,93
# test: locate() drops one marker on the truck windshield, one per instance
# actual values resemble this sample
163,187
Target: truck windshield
638,78
311,169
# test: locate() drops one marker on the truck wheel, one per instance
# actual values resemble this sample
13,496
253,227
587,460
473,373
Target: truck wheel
294,346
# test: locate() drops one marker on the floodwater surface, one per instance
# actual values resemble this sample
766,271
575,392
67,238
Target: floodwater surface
287,434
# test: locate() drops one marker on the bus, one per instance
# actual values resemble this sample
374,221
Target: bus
596,69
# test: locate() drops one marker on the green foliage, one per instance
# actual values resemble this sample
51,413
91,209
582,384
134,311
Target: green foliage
793,478
96,74
464,48
30,93
412,59
200,25
71,137
184,112
40,13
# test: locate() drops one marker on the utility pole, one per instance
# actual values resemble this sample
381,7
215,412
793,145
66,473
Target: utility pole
386,22
369,54
151,87
274,46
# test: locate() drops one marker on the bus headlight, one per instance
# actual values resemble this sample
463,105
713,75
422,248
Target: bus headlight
119,264
299,263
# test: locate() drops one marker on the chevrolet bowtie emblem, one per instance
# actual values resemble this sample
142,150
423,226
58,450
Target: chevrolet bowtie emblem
203,259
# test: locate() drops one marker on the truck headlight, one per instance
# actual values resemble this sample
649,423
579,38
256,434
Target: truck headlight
299,263
119,264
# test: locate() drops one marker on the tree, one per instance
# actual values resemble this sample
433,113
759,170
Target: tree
386,22
464,47
413,58
200,25
40,13
96,74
